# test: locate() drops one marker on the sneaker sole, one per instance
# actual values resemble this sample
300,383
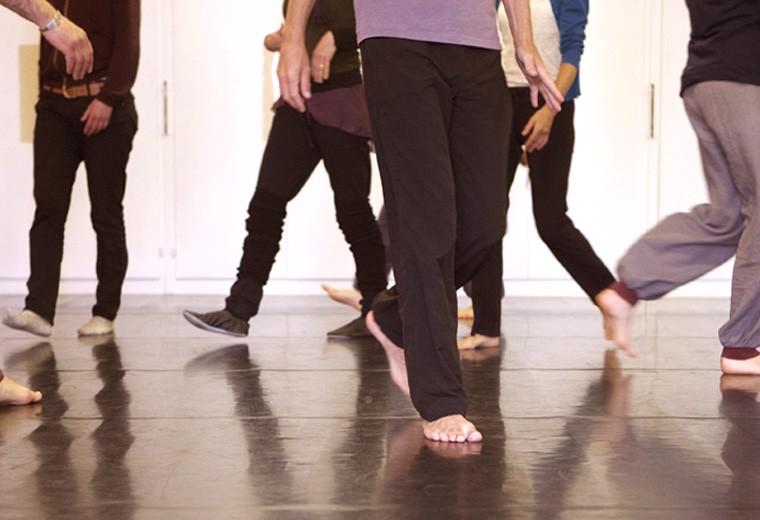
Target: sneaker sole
205,326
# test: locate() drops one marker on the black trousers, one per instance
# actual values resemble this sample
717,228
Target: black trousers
296,145
59,147
440,119
549,170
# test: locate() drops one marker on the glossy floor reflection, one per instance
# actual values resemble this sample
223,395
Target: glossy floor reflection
166,421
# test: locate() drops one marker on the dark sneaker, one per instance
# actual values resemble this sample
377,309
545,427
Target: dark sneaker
353,329
222,322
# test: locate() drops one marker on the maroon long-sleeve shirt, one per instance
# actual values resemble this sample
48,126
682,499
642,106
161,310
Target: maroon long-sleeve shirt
113,27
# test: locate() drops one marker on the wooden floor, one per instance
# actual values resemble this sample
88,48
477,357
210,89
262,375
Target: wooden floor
165,421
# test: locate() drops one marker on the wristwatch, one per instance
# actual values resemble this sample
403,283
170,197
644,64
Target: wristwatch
55,22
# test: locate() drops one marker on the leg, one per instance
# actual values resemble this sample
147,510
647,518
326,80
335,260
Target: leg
421,197
57,140
289,158
346,159
549,175
106,156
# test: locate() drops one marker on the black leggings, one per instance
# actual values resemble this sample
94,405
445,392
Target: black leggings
549,175
296,145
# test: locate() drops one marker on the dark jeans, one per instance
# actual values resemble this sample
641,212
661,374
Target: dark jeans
296,145
59,147
549,170
440,121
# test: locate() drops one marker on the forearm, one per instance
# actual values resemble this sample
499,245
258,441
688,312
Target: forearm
294,29
518,14
565,77
39,12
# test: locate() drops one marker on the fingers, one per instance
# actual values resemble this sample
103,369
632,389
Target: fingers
294,76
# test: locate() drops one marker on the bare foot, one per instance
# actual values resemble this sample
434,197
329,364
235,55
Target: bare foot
618,315
28,321
350,297
466,314
740,367
451,428
12,393
395,354
474,341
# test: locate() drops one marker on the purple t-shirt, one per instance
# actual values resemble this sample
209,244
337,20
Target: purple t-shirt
459,22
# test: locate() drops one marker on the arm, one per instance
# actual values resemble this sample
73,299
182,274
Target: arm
67,37
518,13
122,66
293,69
571,21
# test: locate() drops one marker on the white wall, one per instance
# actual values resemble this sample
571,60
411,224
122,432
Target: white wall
191,176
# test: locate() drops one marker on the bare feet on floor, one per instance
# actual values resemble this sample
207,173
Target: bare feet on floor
474,341
740,367
97,326
451,428
395,354
28,321
618,315
466,314
350,297
12,393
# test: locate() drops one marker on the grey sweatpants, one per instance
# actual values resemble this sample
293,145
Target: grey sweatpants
726,118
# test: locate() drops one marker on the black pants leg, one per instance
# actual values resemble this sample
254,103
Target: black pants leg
440,118
59,148
105,156
549,170
296,145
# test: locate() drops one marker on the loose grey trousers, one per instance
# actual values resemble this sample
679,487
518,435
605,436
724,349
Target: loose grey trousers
684,246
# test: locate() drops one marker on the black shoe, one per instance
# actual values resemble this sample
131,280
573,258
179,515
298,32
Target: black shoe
353,329
223,322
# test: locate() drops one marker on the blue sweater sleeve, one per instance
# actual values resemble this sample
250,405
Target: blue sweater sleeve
572,17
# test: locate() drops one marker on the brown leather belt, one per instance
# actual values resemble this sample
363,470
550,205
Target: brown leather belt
87,90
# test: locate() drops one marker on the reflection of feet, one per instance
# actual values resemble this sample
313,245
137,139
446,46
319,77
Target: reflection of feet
474,341
618,315
466,314
451,428
740,367
350,297
12,393
221,322
97,326
395,354
746,384
28,321
354,329
454,450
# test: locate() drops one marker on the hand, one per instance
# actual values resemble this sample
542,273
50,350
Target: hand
96,117
75,46
294,75
322,56
533,68
273,41
539,127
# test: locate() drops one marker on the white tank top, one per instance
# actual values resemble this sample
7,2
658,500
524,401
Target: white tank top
545,36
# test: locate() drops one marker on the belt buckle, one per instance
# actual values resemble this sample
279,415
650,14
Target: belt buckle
65,92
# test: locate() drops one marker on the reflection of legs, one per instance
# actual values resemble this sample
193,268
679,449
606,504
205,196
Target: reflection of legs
549,174
423,181
106,155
